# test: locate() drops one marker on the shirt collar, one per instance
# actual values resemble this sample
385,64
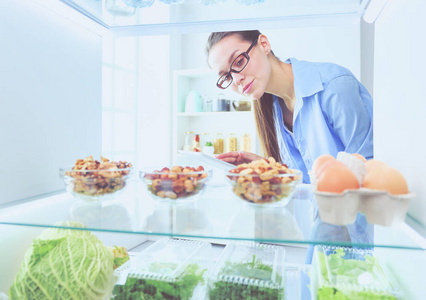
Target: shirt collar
307,79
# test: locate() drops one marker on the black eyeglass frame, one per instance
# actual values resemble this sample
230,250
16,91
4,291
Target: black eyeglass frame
245,54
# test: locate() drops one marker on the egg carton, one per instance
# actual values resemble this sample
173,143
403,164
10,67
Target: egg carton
379,207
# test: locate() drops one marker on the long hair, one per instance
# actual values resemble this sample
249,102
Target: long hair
263,107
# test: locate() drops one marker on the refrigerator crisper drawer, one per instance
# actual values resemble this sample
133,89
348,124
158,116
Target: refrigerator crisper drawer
248,271
349,273
168,269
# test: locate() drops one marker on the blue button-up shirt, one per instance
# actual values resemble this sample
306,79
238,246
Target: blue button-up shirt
333,113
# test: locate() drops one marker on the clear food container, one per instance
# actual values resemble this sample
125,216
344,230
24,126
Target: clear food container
168,269
264,189
93,180
349,273
176,185
248,271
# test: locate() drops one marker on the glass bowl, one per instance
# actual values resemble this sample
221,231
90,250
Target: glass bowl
95,185
177,184
264,189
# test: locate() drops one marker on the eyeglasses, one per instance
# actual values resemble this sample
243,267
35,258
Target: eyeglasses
237,65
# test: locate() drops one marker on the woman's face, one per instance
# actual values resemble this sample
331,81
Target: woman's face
253,79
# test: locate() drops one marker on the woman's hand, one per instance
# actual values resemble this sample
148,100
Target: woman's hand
238,157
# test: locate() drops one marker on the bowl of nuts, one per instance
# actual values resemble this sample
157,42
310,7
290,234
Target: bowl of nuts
264,182
94,180
176,185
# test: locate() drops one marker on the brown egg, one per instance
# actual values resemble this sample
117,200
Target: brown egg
374,163
383,177
359,156
328,164
337,178
322,159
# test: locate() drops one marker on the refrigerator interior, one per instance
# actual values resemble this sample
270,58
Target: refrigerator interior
61,69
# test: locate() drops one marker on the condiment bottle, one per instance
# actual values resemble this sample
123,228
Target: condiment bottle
231,143
218,143
245,142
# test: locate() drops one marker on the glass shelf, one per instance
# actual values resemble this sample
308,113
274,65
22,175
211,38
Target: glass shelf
196,16
218,215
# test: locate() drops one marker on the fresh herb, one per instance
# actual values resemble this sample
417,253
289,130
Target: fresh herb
209,144
233,282
149,289
351,272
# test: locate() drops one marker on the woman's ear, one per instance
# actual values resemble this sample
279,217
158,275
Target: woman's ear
264,43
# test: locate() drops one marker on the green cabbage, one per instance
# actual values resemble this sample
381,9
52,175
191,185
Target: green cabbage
65,264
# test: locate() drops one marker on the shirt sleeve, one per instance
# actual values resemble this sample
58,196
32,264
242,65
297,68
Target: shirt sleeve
344,106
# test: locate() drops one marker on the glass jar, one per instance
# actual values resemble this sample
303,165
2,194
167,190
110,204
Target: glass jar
207,144
232,142
245,142
196,143
205,139
189,136
218,143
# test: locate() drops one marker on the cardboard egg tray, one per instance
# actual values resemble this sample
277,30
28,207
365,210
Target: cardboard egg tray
379,207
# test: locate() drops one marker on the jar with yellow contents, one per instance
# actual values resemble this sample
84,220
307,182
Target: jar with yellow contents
218,143
231,142
245,142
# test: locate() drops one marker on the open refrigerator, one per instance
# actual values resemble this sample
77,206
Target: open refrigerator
61,60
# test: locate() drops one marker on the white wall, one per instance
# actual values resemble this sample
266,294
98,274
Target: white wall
50,98
400,94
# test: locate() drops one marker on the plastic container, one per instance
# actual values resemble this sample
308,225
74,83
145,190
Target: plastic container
379,207
349,273
248,271
168,269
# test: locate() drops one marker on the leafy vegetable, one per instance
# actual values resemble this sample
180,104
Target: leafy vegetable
120,255
351,278
143,288
209,144
65,264
233,282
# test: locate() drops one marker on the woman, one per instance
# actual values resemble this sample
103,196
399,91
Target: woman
302,109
